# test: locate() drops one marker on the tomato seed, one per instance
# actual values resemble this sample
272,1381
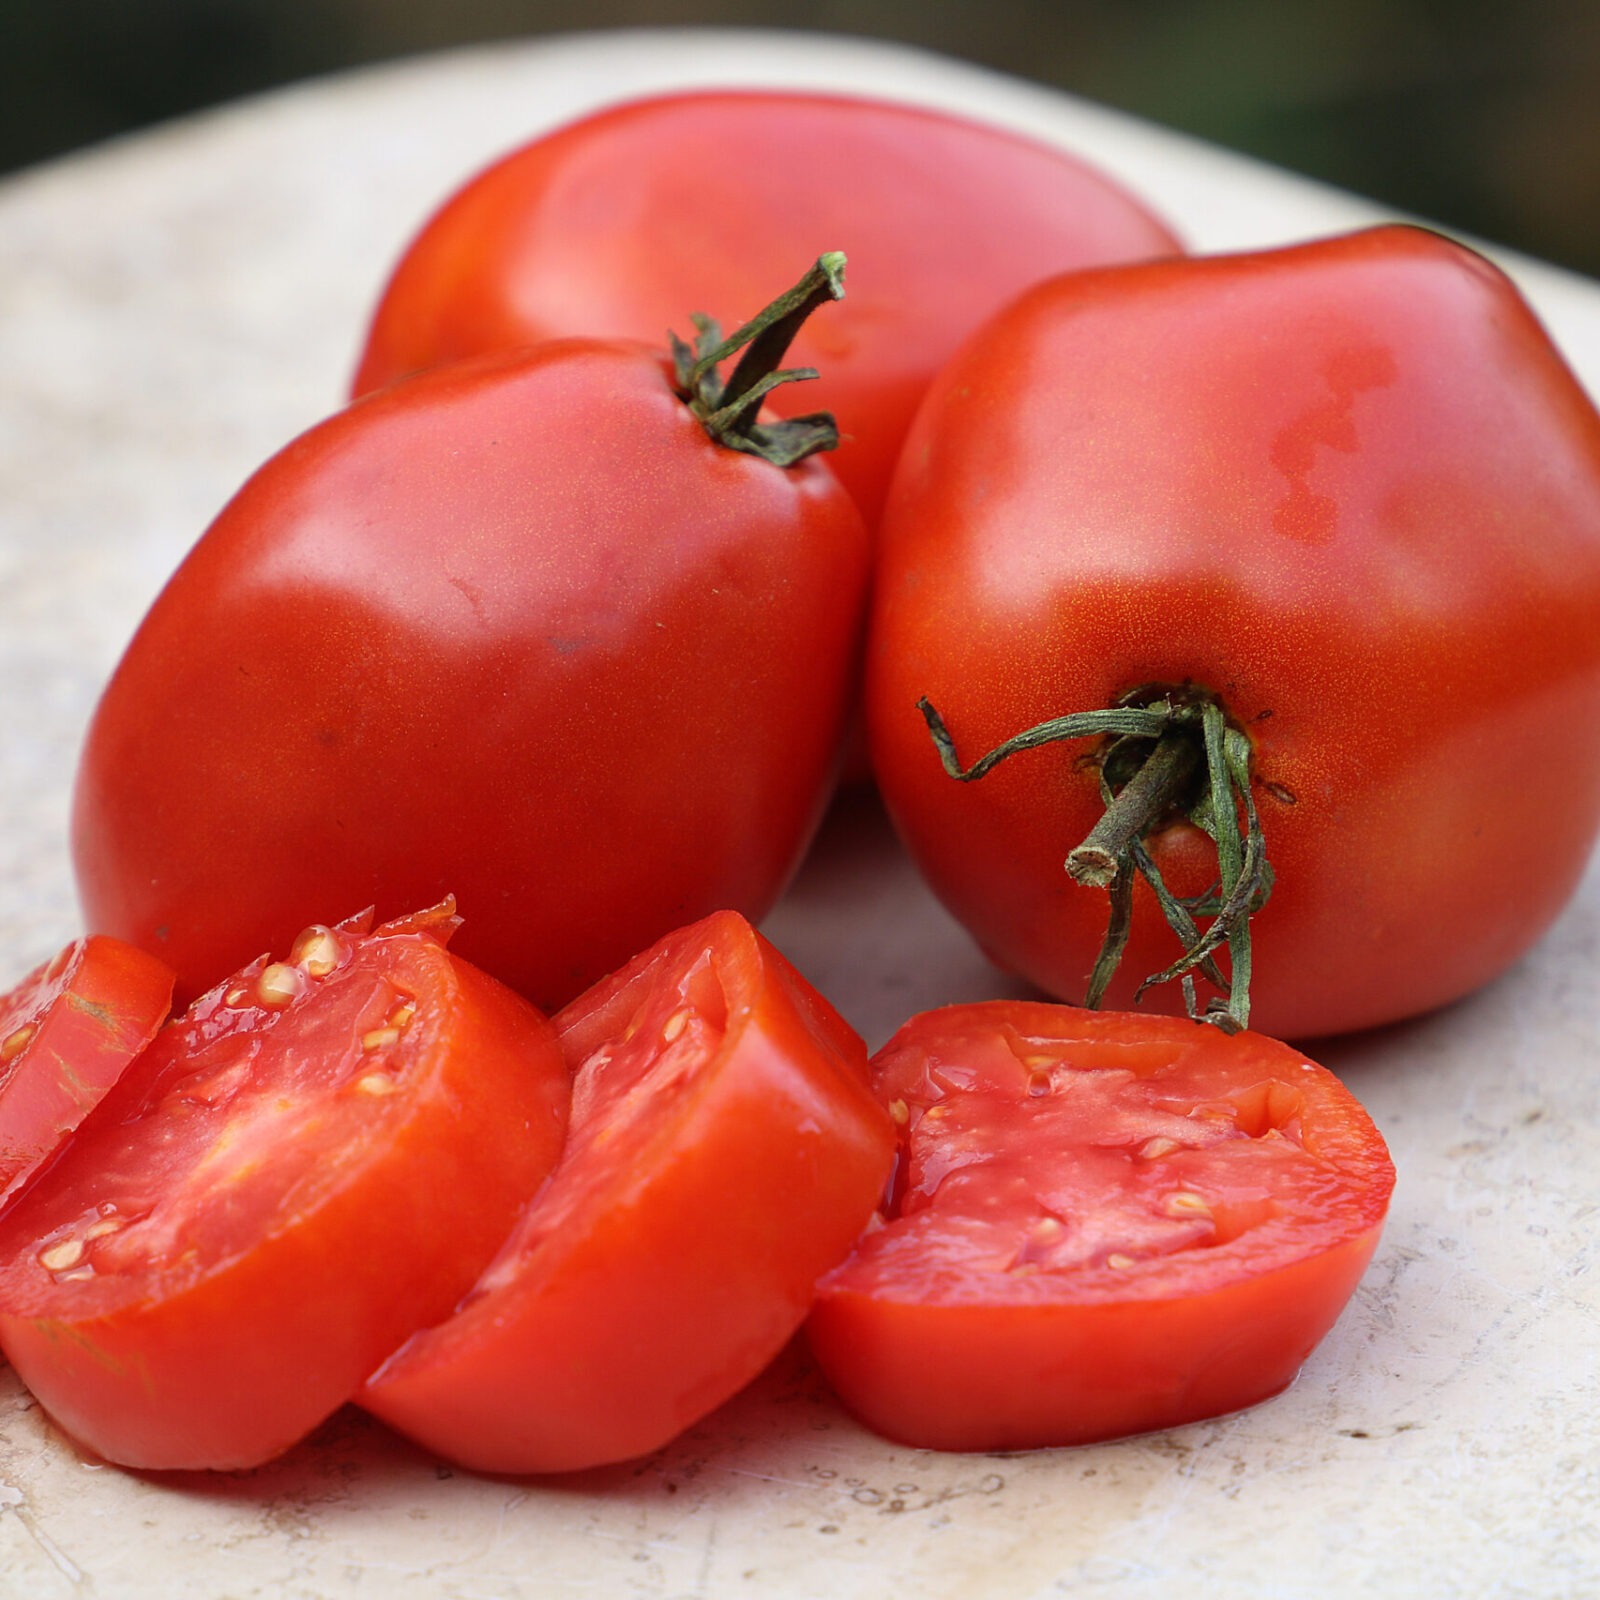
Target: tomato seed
16,1042
1186,1203
674,1025
278,985
317,951
379,1038
62,1257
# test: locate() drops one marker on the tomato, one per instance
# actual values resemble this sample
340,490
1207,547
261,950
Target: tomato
519,630
67,1031
616,223
1346,493
317,1158
1103,1224
725,1150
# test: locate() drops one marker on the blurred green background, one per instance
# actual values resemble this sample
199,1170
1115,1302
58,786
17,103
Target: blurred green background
1480,114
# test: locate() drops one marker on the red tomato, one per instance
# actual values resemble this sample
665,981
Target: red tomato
1102,1224
516,630
724,1151
318,1158
1349,492
618,223
67,1031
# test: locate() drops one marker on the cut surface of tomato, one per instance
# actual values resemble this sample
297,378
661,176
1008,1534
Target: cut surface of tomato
67,1032
725,1150
1102,1224
317,1158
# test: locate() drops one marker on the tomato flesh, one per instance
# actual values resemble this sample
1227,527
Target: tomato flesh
1102,1224
624,221
67,1032
725,1150
314,1160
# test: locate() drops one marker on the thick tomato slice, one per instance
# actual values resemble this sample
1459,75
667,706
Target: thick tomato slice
67,1031
1102,1224
725,1150
316,1159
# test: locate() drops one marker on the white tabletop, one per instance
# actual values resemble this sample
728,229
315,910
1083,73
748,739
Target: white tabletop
175,307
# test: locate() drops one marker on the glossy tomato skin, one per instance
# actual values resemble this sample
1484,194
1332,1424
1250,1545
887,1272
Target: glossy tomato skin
301,1170
619,223
725,1151
1103,1224
67,1032
1350,489
516,630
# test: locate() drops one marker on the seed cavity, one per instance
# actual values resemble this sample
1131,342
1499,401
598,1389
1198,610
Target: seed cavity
317,951
1039,1084
17,1041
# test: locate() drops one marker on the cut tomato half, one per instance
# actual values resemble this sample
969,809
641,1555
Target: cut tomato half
316,1159
725,1150
1102,1224
67,1032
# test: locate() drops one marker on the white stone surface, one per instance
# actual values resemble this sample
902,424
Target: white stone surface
175,307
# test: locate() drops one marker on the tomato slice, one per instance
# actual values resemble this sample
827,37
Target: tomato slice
725,1150
1103,1224
67,1031
317,1158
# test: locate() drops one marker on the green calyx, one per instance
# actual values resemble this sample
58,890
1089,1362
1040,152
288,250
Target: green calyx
1166,755
729,408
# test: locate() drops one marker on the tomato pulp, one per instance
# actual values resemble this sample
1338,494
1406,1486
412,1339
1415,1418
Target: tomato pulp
1102,1224
1348,490
725,1150
67,1032
313,1161
516,630
620,222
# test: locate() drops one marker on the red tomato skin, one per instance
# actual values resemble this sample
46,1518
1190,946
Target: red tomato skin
1040,1376
937,1351
515,630
1348,487
227,1361
67,1032
676,1249
619,223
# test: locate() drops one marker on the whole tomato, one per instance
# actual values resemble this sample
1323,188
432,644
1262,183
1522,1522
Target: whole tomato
615,223
1338,502
522,630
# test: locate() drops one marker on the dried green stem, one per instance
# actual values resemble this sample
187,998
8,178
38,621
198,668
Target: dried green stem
730,409
1176,757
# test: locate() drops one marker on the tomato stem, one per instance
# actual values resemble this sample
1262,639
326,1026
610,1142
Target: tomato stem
1167,754
730,409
